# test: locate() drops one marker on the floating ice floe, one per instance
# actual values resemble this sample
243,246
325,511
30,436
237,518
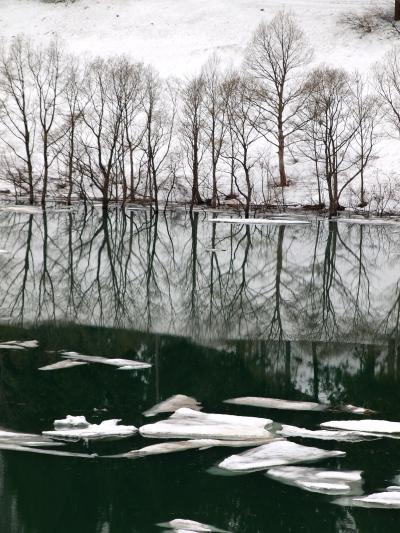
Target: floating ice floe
335,482
71,422
180,524
24,209
189,424
322,434
172,404
122,364
355,410
18,345
388,499
275,403
107,430
62,364
14,438
366,427
276,453
194,444
258,221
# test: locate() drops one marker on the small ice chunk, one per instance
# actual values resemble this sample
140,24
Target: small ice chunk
190,424
71,422
11,347
393,488
275,454
19,345
355,410
179,524
258,221
121,363
275,403
62,364
108,430
379,500
367,426
172,404
4,251
337,482
25,448
322,434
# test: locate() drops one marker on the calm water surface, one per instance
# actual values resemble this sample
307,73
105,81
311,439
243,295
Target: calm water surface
299,312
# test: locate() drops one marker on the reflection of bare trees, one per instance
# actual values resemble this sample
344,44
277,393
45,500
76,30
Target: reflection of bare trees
180,274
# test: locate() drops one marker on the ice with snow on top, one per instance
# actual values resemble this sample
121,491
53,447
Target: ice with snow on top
335,482
118,362
18,345
62,364
71,422
190,424
258,221
387,499
107,430
288,431
275,454
172,404
367,426
276,403
353,409
179,524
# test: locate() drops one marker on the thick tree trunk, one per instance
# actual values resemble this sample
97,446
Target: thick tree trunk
397,10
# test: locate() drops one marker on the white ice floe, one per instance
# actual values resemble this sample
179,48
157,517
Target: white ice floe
275,403
19,345
172,404
108,430
62,364
24,209
190,424
194,444
71,422
366,427
276,453
180,524
24,448
387,499
322,434
123,364
335,482
258,221
348,408
14,438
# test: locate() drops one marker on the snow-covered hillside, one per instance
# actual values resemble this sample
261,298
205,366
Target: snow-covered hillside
177,36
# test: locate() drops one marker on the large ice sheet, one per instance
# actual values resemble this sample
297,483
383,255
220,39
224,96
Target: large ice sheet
367,426
120,363
322,434
108,430
276,453
276,403
187,423
180,524
172,404
335,482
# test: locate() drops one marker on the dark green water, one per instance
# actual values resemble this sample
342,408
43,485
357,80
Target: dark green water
298,312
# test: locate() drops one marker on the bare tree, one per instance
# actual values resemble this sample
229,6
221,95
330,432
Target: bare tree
45,65
242,118
397,10
192,130
276,53
17,113
215,123
387,76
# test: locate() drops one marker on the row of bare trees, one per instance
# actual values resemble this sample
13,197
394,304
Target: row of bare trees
113,130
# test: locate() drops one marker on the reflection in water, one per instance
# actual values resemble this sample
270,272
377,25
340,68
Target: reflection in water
297,312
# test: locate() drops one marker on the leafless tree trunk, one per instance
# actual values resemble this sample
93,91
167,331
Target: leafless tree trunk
276,52
17,115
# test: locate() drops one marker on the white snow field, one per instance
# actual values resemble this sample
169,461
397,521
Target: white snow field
177,37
